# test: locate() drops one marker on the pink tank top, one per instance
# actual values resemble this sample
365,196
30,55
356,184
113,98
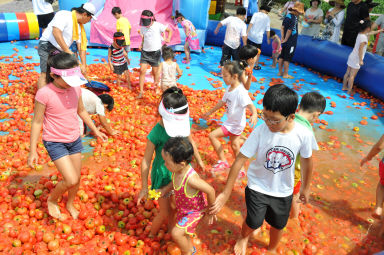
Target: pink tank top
186,23
185,203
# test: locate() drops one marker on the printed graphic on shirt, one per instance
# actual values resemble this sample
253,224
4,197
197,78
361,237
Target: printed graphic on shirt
278,159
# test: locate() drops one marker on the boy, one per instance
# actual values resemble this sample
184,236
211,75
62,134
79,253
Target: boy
274,145
118,58
289,34
312,105
123,25
260,23
236,28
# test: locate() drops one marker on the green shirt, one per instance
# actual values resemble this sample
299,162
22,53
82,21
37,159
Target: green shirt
302,121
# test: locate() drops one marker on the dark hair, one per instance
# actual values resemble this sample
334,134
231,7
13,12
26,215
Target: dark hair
179,15
60,60
280,98
271,33
148,13
241,11
116,10
235,67
318,1
118,34
364,24
174,98
266,8
248,51
167,52
180,149
312,102
81,10
108,100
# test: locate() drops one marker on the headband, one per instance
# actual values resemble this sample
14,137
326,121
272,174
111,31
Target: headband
146,17
67,72
171,110
119,38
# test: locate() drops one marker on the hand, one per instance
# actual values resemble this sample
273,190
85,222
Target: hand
69,51
114,132
216,31
253,120
220,201
140,47
128,61
205,116
32,159
361,63
83,69
101,135
143,194
211,219
304,196
269,41
111,67
283,41
201,164
363,161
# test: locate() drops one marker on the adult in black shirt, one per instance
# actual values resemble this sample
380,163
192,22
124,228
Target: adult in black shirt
356,11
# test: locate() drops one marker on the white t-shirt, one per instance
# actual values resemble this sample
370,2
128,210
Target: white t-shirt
236,102
353,59
235,29
152,36
92,103
41,7
260,23
273,170
62,21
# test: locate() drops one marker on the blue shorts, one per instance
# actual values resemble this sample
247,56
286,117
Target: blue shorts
58,150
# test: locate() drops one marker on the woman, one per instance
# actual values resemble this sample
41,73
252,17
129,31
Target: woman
313,16
334,19
65,28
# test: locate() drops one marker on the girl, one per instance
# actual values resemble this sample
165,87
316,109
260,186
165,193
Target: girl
276,47
174,121
248,53
191,40
151,33
189,188
168,69
56,108
355,59
236,99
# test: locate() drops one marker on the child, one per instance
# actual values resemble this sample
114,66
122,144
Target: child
118,58
276,47
312,105
236,99
289,34
123,25
191,40
236,28
274,145
174,121
168,69
259,24
188,188
57,106
379,146
249,54
151,33
355,59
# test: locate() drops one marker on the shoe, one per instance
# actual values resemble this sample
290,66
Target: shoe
220,165
257,68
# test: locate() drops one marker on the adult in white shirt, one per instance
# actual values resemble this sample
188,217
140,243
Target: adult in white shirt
236,29
259,24
44,12
94,104
60,34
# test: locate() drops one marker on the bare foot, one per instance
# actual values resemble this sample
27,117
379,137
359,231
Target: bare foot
344,89
288,76
139,96
53,209
72,210
241,246
377,213
279,74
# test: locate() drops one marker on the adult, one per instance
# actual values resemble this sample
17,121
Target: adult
313,17
259,24
357,10
334,19
65,28
252,6
94,104
380,43
44,12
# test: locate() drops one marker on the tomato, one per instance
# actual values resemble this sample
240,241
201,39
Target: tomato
90,223
53,245
48,236
24,236
16,243
172,249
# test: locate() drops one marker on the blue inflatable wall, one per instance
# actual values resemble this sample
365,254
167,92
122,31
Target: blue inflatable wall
323,56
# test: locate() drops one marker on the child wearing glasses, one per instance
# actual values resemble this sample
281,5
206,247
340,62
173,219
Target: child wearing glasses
275,145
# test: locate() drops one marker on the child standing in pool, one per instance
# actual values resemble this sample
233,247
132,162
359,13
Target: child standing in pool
276,47
191,40
169,69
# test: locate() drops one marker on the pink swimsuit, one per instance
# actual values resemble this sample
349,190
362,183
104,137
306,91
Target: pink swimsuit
190,209
191,38
274,47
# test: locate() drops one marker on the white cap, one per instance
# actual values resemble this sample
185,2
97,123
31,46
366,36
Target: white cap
89,7
175,124
72,76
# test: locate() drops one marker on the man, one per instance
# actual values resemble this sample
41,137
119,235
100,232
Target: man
357,10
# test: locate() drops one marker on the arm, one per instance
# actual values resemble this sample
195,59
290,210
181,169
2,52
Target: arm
379,146
244,40
306,176
83,114
179,71
361,52
218,28
187,31
253,119
58,35
214,109
249,28
247,79
83,59
164,190
338,19
37,123
268,37
196,153
110,59
289,32
282,33
142,39
145,164
169,34
105,124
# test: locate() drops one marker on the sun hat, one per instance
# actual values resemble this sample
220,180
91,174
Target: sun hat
340,2
299,7
175,124
145,20
90,9
71,76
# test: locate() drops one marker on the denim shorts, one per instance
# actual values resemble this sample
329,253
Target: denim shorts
58,150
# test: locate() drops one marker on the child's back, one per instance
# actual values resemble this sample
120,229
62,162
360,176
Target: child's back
168,74
235,29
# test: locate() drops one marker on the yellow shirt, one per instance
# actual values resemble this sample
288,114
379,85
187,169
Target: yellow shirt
123,25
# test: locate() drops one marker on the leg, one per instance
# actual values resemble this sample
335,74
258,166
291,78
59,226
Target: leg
286,68
280,73
118,81
41,82
241,244
76,162
295,209
235,144
351,79
345,79
143,70
275,236
182,240
156,75
379,200
163,214
187,52
128,78
214,136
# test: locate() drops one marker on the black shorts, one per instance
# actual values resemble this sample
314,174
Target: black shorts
151,58
227,53
287,52
260,207
45,19
119,70
257,45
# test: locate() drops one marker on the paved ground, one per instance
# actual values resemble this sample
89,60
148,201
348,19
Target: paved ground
19,6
